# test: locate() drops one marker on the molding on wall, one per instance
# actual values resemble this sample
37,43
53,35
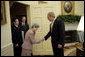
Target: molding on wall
7,50
42,2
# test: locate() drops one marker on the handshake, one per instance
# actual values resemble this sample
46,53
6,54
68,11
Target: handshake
42,39
39,41
59,45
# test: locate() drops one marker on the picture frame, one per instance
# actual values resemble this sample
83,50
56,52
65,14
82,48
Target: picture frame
67,7
42,2
3,13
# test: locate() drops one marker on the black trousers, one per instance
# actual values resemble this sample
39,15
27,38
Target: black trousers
57,51
17,51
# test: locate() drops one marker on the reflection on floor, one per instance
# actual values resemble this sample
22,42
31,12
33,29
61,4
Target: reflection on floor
71,50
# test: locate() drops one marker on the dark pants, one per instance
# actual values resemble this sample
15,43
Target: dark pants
17,51
57,51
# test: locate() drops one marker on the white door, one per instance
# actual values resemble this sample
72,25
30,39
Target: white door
39,15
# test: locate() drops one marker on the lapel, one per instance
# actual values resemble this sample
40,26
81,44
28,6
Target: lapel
55,22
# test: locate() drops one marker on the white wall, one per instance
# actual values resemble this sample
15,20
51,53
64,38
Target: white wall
6,43
28,2
79,8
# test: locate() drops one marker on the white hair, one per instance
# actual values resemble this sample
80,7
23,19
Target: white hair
51,14
35,25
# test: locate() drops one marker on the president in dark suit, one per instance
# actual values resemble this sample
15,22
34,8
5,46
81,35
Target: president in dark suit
57,31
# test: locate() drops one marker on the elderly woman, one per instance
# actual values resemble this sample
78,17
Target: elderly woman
30,40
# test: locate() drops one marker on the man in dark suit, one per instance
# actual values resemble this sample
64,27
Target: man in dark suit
57,31
23,27
16,37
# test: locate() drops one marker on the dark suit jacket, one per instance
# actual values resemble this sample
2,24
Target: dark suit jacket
57,33
16,35
25,29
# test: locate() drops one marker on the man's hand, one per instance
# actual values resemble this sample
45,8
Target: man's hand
59,46
42,39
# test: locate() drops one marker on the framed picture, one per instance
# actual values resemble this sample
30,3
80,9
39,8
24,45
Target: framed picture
3,13
67,7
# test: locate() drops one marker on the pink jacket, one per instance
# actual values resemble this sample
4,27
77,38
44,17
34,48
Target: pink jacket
29,40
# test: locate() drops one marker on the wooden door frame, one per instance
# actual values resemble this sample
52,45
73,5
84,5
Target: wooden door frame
28,12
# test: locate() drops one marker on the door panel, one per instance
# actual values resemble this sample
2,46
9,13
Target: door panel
39,15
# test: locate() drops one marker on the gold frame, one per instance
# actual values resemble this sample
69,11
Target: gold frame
3,13
42,2
63,11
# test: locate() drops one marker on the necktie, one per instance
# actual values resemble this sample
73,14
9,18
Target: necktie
51,26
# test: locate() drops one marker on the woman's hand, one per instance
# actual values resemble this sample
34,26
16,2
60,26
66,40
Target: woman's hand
17,45
42,39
